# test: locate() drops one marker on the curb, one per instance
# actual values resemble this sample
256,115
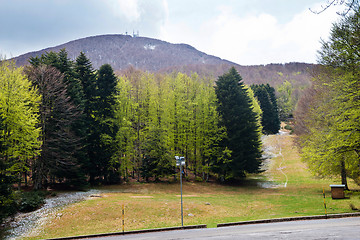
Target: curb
290,219
133,232
274,220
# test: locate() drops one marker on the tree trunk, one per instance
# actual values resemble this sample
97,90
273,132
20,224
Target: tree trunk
343,175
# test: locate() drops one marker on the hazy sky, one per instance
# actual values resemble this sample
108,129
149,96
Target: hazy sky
243,31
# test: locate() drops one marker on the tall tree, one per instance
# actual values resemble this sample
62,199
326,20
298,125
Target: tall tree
74,91
270,118
106,129
332,129
57,114
243,137
19,133
86,75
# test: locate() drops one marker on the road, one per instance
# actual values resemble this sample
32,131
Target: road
344,228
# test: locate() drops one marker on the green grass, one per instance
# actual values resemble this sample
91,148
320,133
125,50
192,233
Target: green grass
158,205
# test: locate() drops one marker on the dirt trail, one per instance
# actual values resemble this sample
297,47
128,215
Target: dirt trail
280,168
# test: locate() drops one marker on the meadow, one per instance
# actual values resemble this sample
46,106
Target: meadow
285,189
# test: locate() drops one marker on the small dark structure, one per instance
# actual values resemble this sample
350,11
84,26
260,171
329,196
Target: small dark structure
337,191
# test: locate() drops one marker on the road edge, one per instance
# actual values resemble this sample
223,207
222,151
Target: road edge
273,220
290,219
132,232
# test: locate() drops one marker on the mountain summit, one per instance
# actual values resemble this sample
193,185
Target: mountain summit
123,51
153,55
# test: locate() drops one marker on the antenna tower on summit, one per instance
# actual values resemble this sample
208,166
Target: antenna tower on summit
136,34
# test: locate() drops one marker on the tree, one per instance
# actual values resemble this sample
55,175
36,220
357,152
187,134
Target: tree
74,91
286,101
57,115
105,129
87,77
330,141
350,5
270,116
19,134
243,137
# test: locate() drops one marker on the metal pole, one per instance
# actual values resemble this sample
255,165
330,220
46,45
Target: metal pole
123,218
324,202
182,221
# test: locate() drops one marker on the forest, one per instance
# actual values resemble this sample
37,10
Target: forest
65,124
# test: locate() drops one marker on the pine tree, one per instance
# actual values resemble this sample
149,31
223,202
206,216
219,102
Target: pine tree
243,137
270,118
106,129
87,77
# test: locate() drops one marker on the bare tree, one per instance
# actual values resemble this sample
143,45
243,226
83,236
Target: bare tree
350,4
57,113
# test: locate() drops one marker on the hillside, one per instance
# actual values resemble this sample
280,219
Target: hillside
123,51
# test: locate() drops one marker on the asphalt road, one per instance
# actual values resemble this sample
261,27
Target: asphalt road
343,228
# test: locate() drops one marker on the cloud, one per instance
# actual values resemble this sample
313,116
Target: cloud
124,8
256,38
246,32
37,24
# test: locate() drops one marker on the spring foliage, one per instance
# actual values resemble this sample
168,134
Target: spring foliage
330,118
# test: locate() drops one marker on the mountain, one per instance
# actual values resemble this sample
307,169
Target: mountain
123,51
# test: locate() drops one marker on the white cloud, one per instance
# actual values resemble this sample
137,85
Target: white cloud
125,8
256,39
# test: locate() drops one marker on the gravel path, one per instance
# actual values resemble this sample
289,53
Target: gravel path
26,224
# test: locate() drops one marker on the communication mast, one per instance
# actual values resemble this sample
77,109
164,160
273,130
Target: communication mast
136,34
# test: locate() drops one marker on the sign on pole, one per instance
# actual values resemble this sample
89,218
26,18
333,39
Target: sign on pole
180,161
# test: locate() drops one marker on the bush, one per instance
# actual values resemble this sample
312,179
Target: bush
30,201
199,179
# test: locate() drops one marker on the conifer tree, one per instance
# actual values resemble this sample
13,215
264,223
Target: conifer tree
270,118
106,129
243,137
87,77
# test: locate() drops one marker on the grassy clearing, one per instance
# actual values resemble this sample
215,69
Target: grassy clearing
158,205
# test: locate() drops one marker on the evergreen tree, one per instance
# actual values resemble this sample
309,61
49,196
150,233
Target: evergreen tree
106,129
87,77
243,137
270,118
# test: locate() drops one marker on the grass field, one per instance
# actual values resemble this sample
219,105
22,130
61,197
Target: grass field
158,205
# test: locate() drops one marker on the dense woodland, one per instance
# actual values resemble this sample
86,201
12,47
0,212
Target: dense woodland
64,123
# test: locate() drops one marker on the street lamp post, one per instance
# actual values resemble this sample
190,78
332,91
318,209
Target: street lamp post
180,161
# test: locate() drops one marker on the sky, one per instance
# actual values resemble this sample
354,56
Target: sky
247,32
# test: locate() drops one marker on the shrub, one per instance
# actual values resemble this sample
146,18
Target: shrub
30,201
